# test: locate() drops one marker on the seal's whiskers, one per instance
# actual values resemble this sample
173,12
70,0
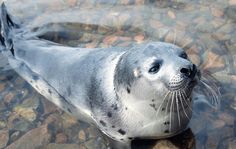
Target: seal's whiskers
180,95
177,105
171,107
214,99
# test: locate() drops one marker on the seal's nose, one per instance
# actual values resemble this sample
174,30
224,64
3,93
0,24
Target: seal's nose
189,72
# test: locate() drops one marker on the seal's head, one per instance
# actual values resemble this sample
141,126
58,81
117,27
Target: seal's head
155,81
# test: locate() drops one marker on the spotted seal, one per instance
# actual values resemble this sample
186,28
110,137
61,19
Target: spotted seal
143,91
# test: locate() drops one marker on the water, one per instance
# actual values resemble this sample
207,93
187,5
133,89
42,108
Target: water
205,29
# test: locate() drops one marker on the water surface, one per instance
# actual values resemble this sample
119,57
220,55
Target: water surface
205,29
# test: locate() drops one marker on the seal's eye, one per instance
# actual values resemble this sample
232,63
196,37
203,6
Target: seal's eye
155,68
184,55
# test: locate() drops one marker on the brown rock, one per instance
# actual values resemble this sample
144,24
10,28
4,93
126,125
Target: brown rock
227,118
218,124
82,136
139,38
61,138
62,146
68,120
109,40
49,107
4,137
72,3
232,2
9,97
2,87
155,24
214,61
171,14
35,138
217,12
26,112
164,144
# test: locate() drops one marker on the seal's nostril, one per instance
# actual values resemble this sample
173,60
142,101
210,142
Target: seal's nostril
185,71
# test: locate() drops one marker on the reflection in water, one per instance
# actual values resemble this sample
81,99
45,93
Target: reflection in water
205,29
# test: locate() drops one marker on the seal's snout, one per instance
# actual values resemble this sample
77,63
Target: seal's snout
189,72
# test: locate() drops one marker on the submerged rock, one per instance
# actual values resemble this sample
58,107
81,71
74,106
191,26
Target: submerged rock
4,137
35,138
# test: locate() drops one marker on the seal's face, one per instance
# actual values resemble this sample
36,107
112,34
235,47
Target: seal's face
157,83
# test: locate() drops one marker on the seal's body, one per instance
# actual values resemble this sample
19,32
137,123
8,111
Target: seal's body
142,91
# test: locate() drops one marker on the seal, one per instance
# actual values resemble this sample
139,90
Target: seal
143,91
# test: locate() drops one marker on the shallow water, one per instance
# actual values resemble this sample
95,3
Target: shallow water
205,29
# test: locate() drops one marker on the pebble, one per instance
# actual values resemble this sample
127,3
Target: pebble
26,112
9,98
82,136
68,121
217,12
35,138
214,61
139,38
232,2
171,14
2,124
2,86
14,136
61,138
4,137
63,146
165,144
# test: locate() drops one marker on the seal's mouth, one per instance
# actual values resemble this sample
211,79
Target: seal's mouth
186,79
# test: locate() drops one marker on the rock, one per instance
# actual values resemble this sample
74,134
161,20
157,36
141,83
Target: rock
71,3
217,12
95,143
227,118
14,136
109,40
164,144
9,98
27,113
82,136
231,12
232,2
68,120
217,124
62,146
156,24
35,138
4,138
61,138
48,107
139,38
2,86
171,14
2,124
214,61
16,122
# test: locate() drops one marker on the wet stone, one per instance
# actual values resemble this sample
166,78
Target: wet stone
82,136
2,124
14,136
9,98
68,120
2,86
27,113
35,138
16,122
61,138
62,146
164,144
4,137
